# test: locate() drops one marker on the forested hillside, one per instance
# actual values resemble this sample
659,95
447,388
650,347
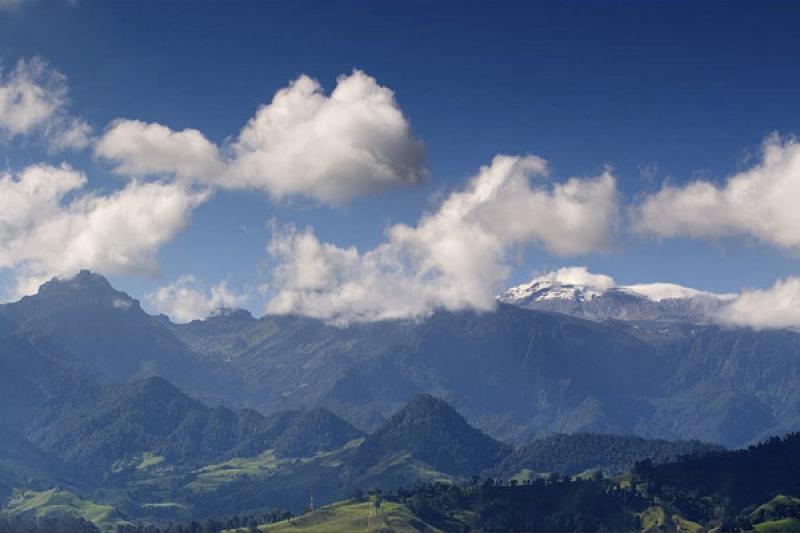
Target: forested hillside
576,453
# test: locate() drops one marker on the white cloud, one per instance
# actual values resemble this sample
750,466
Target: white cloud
142,149
454,258
776,307
668,291
329,148
49,228
185,299
760,202
33,98
577,275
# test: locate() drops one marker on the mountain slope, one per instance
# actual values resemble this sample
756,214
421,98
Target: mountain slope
105,332
30,376
730,482
355,517
515,373
433,432
22,463
125,426
576,453
520,374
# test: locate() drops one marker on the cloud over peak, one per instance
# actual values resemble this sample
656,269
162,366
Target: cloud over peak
775,307
455,257
577,275
48,227
330,148
186,299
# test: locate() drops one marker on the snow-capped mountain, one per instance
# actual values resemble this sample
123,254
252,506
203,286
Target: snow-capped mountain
576,291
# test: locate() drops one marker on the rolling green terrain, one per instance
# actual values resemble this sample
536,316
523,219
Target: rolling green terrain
55,501
783,525
581,452
355,517
145,452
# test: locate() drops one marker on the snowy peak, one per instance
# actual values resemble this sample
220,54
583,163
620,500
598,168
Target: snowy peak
547,290
576,291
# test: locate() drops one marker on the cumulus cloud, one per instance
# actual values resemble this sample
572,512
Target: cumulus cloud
49,227
577,275
776,307
186,299
455,257
760,202
33,98
142,149
303,142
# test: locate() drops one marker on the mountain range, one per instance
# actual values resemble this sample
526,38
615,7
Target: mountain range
147,451
517,374
162,421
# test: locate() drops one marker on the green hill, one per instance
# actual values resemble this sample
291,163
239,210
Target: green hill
431,431
579,452
124,426
56,501
730,486
355,517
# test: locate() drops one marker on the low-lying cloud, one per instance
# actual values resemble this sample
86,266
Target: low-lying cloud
329,148
186,299
775,307
456,257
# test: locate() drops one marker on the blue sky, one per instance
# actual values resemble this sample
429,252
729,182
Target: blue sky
657,91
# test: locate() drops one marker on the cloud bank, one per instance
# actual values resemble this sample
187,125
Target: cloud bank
49,227
329,148
760,203
185,299
775,307
454,258
33,99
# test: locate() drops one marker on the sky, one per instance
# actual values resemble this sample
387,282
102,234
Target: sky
367,160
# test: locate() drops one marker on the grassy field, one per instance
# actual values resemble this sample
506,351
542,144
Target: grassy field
787,525
354,517
149,460
42,503
656,520
211,477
